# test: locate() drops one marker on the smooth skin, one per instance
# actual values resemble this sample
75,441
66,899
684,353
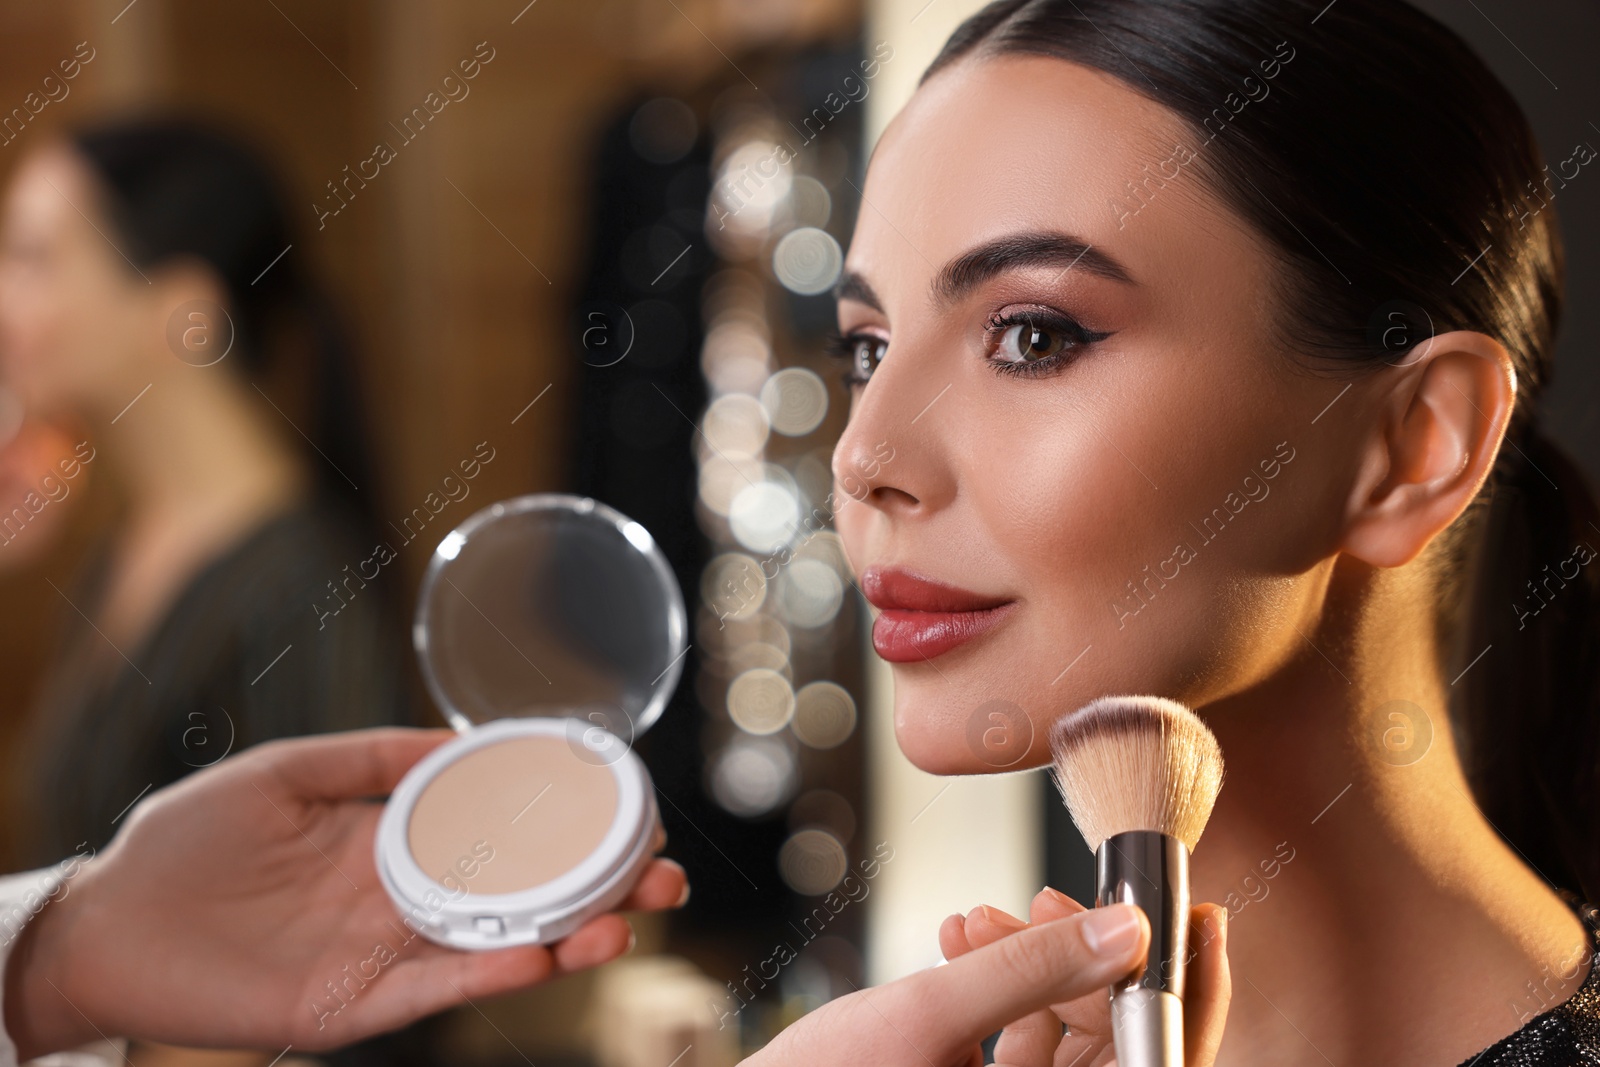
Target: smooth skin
228,900
1402,929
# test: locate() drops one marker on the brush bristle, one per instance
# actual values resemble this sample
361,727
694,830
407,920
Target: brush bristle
1137,763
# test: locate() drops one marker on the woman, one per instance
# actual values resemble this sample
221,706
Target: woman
1208,336
148,292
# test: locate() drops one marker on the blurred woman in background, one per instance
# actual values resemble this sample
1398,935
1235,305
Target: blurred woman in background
149,291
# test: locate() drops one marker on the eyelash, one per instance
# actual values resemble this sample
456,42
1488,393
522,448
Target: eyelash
843,346
1076,336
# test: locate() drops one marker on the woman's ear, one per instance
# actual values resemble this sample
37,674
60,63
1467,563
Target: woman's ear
1441,421
186,313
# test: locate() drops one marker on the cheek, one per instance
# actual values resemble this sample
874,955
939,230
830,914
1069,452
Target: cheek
850,522
93,330
46,308
1143,565
33,328
1143,547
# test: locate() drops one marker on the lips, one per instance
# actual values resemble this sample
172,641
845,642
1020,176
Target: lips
922,618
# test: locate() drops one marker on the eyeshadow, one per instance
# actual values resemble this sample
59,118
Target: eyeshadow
512,815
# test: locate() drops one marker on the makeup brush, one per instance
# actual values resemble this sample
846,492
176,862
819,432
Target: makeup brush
1139,775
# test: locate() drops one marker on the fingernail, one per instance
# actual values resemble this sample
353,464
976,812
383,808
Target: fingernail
633,939
1001,919
683,898
1111,930
1057,895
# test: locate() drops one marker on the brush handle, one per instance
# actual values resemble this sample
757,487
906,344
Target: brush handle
1150,869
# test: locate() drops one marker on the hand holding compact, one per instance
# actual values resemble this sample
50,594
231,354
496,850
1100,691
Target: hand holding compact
1036,1040
940,1015
241,908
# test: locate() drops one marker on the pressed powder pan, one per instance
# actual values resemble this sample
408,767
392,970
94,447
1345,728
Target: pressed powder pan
550,632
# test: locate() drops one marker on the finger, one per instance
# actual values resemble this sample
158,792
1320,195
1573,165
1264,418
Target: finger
430,980
989,987
986,925
663,885
600,940
347,766
953,937
1030,1041
1089,1016
1210,986
1049,904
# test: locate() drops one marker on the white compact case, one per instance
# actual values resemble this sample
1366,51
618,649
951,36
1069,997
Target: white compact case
551,633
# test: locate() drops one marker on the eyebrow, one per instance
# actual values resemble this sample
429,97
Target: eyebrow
1011,252
852,286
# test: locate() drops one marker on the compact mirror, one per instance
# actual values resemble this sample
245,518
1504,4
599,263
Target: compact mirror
550,632
550,605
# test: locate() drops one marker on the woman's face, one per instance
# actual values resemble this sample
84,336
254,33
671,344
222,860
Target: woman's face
1080,421
74,315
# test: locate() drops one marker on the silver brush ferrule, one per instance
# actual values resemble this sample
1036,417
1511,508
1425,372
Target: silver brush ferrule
1149,869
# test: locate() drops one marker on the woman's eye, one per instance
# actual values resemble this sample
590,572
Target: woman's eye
1027,342
866,353
863,352
1036,343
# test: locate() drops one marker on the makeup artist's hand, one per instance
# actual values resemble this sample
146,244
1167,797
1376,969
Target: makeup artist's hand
939,1016
1035,1040
228,903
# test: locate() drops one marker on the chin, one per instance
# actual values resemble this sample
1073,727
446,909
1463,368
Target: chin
944,734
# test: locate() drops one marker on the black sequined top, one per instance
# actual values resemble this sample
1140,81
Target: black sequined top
1566,1035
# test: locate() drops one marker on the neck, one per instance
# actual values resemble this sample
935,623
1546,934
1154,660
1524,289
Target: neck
1375,915
200,444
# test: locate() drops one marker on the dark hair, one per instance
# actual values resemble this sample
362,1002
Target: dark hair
175,189
1400,189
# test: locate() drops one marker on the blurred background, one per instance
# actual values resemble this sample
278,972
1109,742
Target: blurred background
563,247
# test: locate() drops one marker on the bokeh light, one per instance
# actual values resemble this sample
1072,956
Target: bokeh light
795,400
761,701
813,862
807,261
753,775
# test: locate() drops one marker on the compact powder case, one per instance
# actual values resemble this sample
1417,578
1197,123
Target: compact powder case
550,631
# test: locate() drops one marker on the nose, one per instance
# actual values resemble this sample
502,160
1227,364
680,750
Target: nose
860,473
890,455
